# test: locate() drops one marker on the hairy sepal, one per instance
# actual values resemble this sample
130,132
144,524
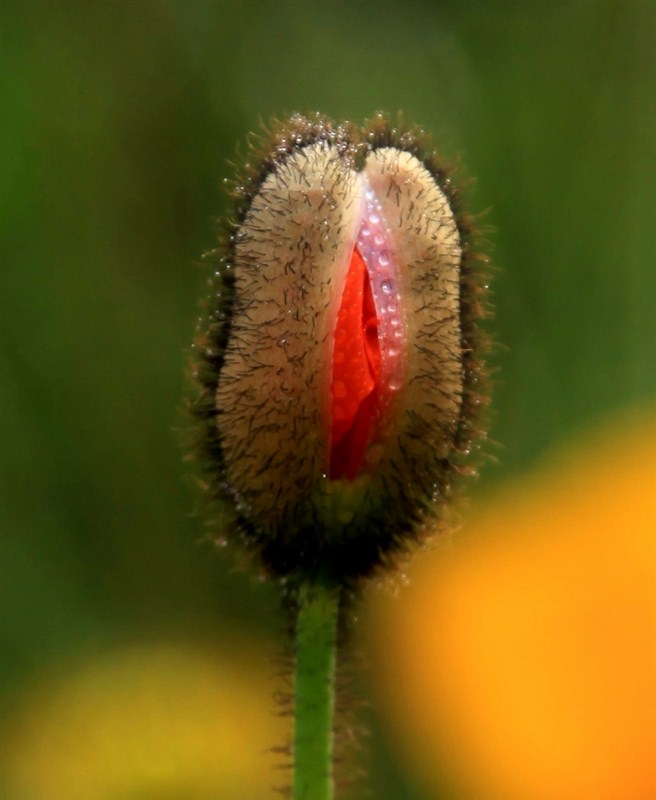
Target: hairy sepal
283,268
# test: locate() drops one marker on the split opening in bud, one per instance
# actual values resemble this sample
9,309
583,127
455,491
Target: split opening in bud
368,348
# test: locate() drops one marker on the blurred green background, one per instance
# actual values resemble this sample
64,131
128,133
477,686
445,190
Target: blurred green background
118,123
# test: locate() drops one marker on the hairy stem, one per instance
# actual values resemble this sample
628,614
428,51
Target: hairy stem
316,629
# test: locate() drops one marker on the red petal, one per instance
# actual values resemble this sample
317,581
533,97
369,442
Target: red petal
355,372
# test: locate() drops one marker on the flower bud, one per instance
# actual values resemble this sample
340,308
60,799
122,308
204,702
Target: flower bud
339,363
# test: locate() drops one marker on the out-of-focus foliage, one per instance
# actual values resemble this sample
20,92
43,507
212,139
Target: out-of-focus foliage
119,119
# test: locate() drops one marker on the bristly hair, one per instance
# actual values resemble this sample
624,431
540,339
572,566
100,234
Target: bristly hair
396,525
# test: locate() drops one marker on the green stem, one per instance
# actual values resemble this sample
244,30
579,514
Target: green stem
314,691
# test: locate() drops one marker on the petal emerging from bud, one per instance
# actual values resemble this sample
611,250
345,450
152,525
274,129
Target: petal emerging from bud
356,373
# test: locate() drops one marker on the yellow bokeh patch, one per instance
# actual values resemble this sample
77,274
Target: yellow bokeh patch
166,722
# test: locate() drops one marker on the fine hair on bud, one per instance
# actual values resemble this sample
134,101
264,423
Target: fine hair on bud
340,355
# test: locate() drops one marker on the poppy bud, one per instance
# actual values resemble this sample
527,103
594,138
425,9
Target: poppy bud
339,363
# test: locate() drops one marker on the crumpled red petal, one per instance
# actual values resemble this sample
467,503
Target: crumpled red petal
356,373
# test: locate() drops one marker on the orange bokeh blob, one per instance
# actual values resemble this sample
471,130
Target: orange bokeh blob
522,662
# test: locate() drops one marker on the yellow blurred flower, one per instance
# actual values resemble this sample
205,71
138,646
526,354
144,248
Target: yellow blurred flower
148,722
521,663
